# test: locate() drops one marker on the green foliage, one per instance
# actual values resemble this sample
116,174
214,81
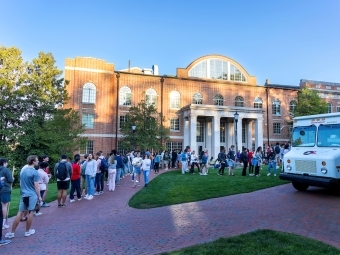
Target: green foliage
309,103
31,121
172,187
264,242
150,133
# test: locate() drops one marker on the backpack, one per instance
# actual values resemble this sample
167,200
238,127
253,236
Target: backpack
277,149
126,159
83,168
104,166
184,157
61,172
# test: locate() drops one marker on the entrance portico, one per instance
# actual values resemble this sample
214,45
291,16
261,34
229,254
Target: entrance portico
211,127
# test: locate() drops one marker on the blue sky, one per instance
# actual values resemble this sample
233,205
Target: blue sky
283,40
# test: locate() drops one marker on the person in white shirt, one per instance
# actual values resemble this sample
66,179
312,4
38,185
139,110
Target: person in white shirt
137,164
193,162
90,172
146,164
43,181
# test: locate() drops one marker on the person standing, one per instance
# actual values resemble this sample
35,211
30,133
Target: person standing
244,159
137,163
251,166
2,241
231,160
99,175
5,192
43,182
112,172
271,161
257,160
146,164
222,157
46,159
157,162
204,162
63,173
75,179
119,166
173,158
90,172
30,196
184,161
194,162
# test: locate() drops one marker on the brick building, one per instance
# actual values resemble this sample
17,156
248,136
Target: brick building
198,103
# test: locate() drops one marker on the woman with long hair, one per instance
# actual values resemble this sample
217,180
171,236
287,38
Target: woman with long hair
146,166
112,172
136,163
75,179
90,172
258,160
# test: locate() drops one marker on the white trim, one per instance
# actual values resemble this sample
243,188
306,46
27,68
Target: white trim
87,69
176,137
98,135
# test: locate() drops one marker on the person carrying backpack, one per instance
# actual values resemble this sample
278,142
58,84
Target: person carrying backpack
63,173
103,167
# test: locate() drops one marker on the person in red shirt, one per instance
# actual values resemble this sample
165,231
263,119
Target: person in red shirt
75,179
251,167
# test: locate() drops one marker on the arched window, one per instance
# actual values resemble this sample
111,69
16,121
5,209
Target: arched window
329,107
89,93
218,99
197,98
151,97
175,100
292,106
276,108
239,101
258,103
125,96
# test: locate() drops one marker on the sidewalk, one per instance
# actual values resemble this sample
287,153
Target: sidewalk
107,225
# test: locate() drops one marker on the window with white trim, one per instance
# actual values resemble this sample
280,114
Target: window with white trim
122,120
329,107
175,100
222,132
197,98
258,103
218,99
276,128
88,120
88,148
151,97
174,124
276,107
125,96
89,93
338,108
239,101
170,146
292,106
200,131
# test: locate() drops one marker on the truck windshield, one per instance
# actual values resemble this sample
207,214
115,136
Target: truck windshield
329,135
304,136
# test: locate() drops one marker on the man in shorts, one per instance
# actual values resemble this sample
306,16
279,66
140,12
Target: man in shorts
30,195
63,185
5,192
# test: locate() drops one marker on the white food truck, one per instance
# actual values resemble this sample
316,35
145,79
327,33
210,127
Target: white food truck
314,158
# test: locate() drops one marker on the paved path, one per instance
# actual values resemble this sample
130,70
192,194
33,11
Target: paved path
107,225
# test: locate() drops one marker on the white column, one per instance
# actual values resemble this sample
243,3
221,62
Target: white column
259,132
215,136
239,134
230,135
193,128
249,134
209,137
185,132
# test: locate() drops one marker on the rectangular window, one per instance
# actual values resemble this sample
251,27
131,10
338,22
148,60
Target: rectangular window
243,133
222,132
276,128
88,120
88,148
257,105
174,146
200,131
121,149
122,120
328,87
174,124
276,108
338,108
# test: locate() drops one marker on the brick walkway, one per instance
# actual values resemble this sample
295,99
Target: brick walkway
107,225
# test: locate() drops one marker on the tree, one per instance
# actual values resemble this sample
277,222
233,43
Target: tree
309,103
150,131
30,100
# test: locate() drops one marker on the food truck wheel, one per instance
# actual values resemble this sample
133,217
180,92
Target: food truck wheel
300,186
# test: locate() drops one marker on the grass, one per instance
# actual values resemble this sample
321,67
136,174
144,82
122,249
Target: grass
15,198
261,242
174,188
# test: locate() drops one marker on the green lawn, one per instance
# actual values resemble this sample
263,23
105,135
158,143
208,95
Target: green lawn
174,188
261,242
51,196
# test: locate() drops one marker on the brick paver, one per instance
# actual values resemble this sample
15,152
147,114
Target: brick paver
107,225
